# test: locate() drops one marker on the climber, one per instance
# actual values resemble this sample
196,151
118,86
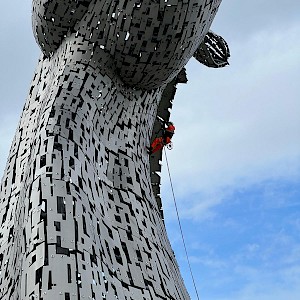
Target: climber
165,139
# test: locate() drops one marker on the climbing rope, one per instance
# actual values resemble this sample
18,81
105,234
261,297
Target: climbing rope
179,223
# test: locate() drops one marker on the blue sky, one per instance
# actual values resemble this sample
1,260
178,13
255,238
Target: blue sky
248,247
235,164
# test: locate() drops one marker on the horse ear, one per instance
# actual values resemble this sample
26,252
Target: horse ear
52,19
213,52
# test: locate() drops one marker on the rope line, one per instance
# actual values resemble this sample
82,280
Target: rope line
181,231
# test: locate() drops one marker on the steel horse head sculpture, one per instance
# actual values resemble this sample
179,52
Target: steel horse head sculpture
80,211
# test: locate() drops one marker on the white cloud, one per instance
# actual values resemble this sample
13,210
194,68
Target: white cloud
268,286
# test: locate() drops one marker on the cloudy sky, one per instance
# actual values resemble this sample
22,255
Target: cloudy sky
235,164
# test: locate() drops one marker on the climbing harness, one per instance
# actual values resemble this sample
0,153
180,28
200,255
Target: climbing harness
181,231
170,146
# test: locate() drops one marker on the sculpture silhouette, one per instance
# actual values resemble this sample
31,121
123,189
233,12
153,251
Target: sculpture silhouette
80,210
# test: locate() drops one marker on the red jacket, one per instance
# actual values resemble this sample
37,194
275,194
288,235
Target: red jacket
170,128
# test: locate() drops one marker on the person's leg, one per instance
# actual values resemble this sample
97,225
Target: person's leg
158,145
